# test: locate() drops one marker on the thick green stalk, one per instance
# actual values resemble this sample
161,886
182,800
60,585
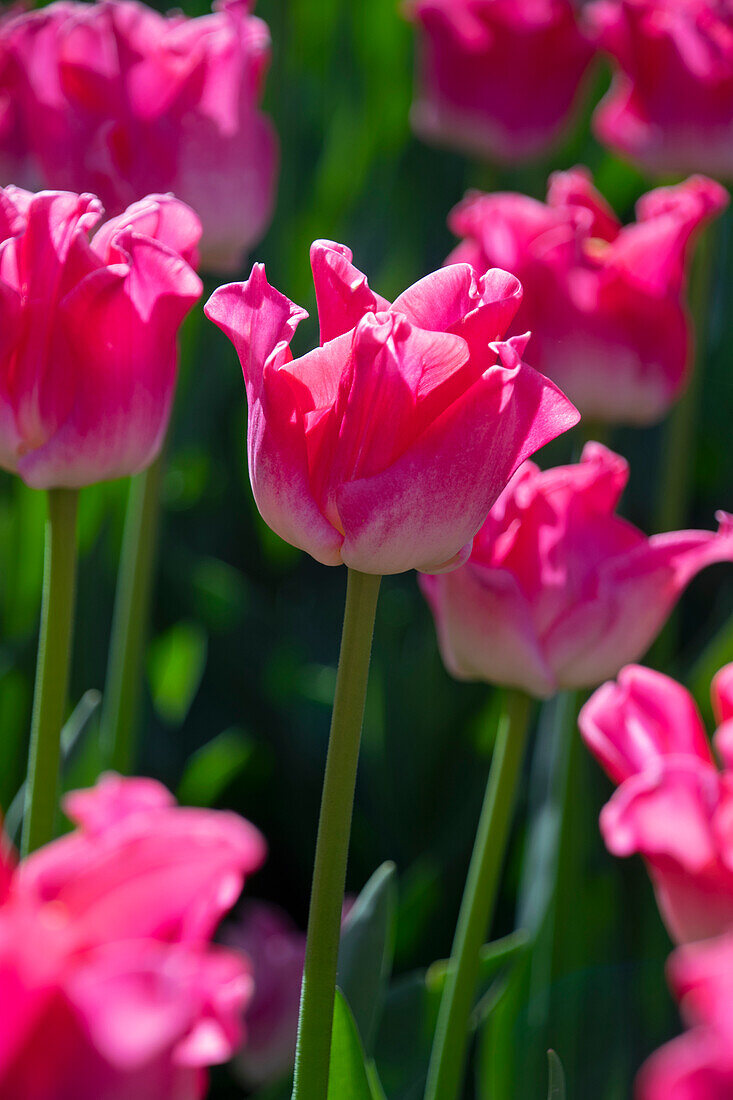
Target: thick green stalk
130,620
448,1057
332,846
52,669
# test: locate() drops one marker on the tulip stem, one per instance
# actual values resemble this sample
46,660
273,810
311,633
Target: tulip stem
130,619
680,437
332,845
448,1057
52,669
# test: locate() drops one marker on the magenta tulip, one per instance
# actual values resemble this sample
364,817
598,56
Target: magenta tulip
116,98
699,1064
559,592
88,335
606,303
106,964
673,806
276,946
498,78
670,106
385,447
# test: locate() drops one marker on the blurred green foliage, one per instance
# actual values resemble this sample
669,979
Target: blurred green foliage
245,629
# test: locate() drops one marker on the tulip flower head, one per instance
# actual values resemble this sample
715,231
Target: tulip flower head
673,805
497,78
106,964
670,106
699,1064
385,447
88,332
116,98
605,303
559,592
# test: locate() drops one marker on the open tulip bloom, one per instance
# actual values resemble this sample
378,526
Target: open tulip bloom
670,106
88,332
559,592
115,98
606,303
110,986
674,805
385,447
498,78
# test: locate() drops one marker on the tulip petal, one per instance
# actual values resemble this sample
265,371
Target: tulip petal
642,717
117,342
485,629
448,480
343,296
636,591
260,322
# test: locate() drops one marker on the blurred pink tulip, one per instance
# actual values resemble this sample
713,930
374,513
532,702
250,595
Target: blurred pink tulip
673,806
498,78
605,303
698,1065
88,332
106,965
276,947
116,98
559,592
386,446
670,106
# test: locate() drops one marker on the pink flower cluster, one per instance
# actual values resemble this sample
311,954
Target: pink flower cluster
605,303
115,98
109,985
88,330
559,592
674,806
502,78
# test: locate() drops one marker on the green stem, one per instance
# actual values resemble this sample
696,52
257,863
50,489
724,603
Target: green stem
448,1057
679,447
334,825
130,620
52,669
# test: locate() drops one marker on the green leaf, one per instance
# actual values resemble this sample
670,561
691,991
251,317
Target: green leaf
348,1078
213,767
176,662
556,1078
366,951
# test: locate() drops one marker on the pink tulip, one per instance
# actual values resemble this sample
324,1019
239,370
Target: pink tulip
559,592
115,97
673,806
385,447
88,332
698,1065
106,965
276,946
606,303
670,106
15,159
498,78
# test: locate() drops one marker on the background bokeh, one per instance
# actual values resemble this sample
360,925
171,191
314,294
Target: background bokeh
241,662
